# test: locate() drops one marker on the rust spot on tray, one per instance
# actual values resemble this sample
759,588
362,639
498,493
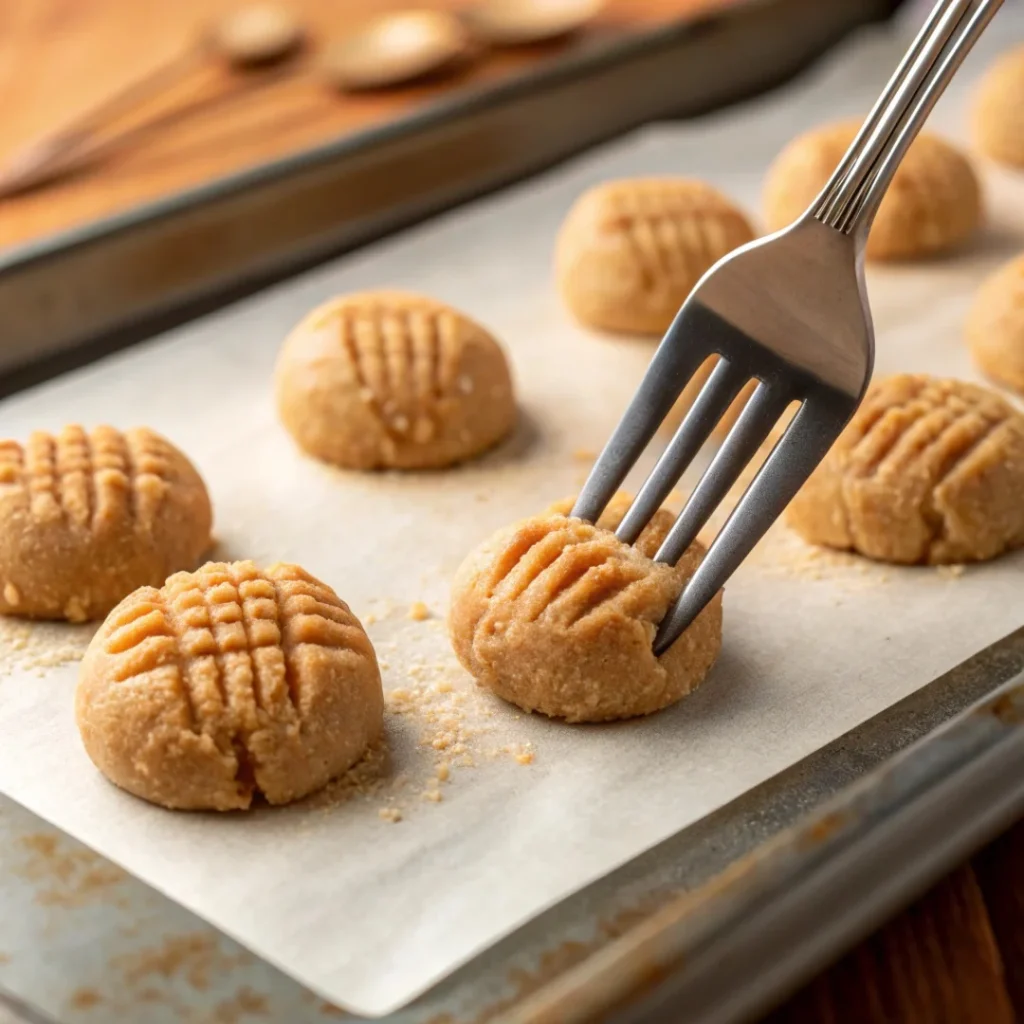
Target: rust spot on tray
330,1010
561,958
822,829
85,998
244,1005
194,957
1008,709
64,874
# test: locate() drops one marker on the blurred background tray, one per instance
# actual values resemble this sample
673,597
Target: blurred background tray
223,203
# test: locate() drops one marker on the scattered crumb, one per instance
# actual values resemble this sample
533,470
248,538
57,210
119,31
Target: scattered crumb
364,779
419,612
443,772
950,572
392,814
584,455
522,753
36,647
432,796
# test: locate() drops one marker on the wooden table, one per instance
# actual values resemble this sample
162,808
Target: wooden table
957,955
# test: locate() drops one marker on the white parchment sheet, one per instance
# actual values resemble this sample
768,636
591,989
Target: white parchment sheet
368,910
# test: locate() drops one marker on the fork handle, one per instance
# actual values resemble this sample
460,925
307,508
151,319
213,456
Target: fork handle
851,199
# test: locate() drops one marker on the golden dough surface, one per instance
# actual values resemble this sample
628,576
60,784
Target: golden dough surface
995,326
392,380
630,251
932,204
226,683
997,117
86,517
927,471
558,616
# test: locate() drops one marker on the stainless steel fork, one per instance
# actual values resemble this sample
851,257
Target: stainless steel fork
791,311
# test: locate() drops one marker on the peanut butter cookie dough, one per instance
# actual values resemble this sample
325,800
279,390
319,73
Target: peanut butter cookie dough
932,205
558,616
87,517
928,471
998,114
630,252
390,380
995,326
226,683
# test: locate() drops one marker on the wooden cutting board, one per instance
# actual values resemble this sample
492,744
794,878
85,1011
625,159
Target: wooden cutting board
59,57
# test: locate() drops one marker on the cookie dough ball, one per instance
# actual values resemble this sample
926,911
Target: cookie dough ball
630,252
995,326
998,115
86,518
933,202
227,683
389,380
558,616
928,471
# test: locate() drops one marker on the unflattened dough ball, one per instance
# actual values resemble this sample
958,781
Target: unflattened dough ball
87,517
995,326
630,252
558,616
228,682
927,471
998,115
932,204
390,380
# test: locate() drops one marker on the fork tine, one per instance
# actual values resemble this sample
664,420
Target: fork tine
759,415
675,362
717,394
806,440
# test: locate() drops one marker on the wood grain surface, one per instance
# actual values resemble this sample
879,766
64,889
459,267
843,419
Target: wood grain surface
59,57
957,955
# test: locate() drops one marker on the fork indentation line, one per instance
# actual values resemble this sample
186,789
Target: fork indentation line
759,415
714,398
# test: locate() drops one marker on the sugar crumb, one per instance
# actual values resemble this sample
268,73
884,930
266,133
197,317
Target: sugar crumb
392,814
419,612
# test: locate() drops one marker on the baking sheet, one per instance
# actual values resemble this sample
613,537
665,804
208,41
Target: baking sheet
375,890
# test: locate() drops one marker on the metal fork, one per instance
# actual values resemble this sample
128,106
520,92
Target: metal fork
791,311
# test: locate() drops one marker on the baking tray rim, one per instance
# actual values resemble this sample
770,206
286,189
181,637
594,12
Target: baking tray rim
592,57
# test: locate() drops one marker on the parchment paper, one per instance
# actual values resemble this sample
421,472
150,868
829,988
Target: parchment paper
370,911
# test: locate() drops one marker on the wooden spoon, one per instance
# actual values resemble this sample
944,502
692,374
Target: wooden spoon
253,36
521,22
397,48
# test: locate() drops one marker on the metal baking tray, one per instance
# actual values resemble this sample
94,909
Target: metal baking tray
713,924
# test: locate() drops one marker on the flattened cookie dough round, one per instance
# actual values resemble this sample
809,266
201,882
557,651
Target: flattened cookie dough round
630,252
87,517
927,471
226,683
995,326
390,380
998,114
933,202
558,616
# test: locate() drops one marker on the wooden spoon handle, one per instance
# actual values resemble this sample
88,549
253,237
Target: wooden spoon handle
55,151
